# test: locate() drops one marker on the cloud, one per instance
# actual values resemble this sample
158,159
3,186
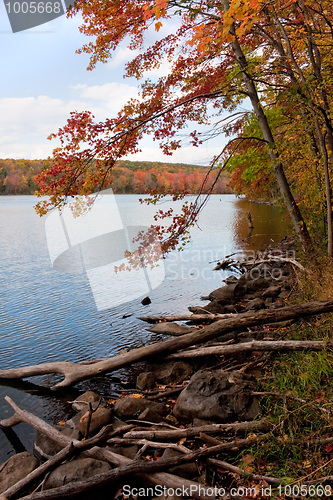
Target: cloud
114,95
26,122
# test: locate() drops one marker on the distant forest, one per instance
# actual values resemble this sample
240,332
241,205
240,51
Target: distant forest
17,177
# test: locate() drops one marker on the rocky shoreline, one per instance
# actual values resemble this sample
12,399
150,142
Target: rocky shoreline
178,407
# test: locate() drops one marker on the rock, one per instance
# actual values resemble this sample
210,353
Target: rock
15,468
151,415
172,372
145,380
254,304
91,424
82,402
199,422
231,280
170,328
75,470
145,301
188,471
130,407
45,448
272,291
125,451
257,284
225,294
213,307
217,395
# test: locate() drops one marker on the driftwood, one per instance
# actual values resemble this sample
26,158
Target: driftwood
74,372
157,478
255,426
254,345
194,318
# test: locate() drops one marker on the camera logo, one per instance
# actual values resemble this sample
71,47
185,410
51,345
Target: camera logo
25,14
95,243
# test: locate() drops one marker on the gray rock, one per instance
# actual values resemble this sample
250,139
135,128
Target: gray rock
45,448
130,408
172,372
76,470
145,380
254,304
257,284
271,291
224,294
217,395
91,424
187,471
15,468
170,328
151,415
125,451
82,402
230,280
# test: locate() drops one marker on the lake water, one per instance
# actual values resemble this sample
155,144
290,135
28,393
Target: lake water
46,315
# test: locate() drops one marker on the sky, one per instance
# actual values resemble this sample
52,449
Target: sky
43,80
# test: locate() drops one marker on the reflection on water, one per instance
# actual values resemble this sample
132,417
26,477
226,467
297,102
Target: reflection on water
48,316
270,225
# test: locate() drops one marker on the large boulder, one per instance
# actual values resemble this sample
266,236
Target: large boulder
75,470
16,468
218,395
45,447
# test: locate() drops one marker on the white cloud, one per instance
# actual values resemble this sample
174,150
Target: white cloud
114,94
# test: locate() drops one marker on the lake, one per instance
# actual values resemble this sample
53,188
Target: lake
46,315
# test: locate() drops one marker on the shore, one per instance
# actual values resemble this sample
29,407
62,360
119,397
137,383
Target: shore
190,416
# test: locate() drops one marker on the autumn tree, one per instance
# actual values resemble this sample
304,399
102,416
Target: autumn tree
221,54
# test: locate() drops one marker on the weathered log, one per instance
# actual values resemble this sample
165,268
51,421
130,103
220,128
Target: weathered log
255,426
74,372
254,345
158,478
194,318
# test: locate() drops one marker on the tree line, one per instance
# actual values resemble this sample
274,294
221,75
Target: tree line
17,177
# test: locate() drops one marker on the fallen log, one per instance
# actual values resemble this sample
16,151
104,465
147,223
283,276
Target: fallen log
255,426
157,478
75,372
254,345
194,318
